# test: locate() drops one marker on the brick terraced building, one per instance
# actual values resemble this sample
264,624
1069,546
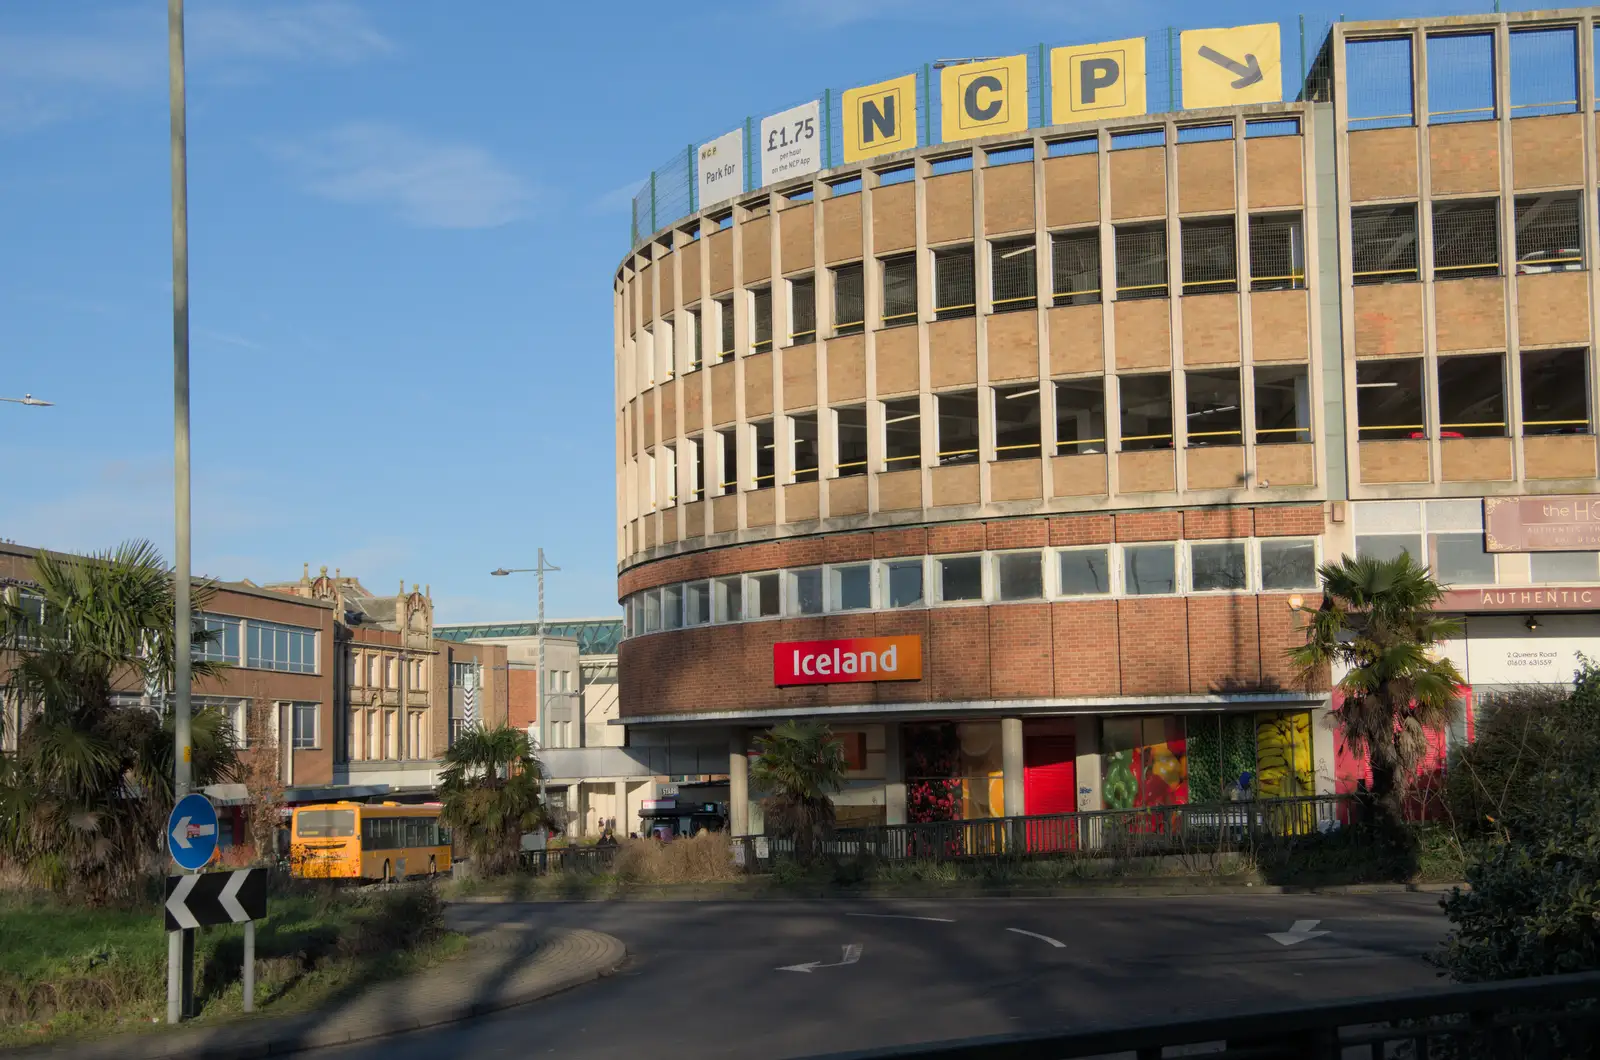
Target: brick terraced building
1060,422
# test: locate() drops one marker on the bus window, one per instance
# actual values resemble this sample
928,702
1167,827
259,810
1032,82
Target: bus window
325,824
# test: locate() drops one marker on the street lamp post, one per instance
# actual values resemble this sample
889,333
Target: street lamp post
180,943
544,712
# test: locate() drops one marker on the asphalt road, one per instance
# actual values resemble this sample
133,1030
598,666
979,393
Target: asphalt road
707,979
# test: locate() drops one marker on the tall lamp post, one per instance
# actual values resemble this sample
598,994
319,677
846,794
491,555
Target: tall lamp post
180,943
544,712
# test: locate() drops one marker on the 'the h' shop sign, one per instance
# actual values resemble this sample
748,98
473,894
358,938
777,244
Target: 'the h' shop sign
826,662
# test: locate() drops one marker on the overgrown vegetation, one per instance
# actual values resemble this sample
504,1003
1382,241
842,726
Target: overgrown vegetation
83,798
490,791
68,971
1530,787
706,858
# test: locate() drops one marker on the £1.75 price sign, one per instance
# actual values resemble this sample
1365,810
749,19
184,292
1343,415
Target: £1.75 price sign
791,143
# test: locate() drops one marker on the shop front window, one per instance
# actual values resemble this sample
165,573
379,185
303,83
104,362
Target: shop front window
953,772
1144,762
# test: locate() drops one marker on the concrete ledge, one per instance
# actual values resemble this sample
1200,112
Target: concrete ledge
509,967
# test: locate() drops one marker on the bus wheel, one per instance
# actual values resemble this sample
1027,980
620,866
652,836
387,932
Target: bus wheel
388,873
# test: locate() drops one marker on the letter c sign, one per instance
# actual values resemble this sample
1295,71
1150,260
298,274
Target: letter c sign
981,99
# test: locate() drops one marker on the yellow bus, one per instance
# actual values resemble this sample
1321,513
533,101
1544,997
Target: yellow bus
368,841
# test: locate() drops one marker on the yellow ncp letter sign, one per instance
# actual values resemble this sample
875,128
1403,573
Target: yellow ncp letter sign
880,118
1227,67
1097,81
980,99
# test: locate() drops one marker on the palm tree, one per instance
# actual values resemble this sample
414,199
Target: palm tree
83,797
1377,622
800,767
490,791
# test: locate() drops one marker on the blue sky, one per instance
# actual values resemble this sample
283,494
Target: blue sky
404,220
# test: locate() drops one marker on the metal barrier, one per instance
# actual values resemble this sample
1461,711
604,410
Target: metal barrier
1551,1018
1146,832
578,859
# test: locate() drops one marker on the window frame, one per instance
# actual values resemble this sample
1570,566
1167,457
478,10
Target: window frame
1178,574
1261,563
831,573
1113,573
1244,551
939,599
997,557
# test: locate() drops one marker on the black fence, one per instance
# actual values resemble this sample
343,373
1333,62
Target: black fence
1552,1018
592,860
1146,832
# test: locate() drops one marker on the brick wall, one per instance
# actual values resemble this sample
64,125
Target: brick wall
1070,649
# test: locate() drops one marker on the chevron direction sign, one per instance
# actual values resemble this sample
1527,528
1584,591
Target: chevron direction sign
210,898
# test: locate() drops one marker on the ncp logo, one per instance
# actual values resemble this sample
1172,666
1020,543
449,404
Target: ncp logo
880,118
1099,80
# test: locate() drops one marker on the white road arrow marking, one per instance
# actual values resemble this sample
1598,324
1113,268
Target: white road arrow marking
176,904
852,954
229,898
1042,938
1302,930
181,832
903,916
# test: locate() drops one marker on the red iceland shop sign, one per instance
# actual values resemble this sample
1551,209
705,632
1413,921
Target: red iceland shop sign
826,662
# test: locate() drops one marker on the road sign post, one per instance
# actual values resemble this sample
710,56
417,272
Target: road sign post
192,841
196,900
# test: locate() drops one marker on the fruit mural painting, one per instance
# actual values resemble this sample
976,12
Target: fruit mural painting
1283,754
1146,763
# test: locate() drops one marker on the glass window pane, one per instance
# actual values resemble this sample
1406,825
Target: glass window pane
729,600
763,595
1217,566
1288,565
1460,559
1562,567
652,611
1021,575
805,591
850,588
1389,546
672,607
699,604
1149,569
905,583
1084,571
961,578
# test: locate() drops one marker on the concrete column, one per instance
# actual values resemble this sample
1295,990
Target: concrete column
894,775
580,806
1323,751
619,800
1088,765
738,785
1011,764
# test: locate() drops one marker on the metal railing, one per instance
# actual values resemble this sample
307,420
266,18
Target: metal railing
573,859
1145,832
1550,1018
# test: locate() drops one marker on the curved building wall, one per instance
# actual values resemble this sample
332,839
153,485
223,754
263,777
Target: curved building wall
1081,409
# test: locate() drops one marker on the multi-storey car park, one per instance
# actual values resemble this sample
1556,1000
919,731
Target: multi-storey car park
1067,417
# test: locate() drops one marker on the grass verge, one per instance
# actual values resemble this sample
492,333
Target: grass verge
68,972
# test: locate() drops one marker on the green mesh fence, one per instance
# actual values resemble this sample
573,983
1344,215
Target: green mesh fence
668,194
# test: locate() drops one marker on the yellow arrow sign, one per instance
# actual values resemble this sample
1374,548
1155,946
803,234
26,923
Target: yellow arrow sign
1230,67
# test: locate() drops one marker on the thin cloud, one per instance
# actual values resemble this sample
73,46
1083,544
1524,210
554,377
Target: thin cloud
47,77
427,183
617,199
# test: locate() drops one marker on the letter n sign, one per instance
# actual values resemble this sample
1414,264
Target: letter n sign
1097,81
880,118
982,99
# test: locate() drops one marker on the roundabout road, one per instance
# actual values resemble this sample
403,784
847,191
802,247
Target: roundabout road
728,979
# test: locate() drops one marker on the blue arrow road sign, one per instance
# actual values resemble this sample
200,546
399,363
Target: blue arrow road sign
192,832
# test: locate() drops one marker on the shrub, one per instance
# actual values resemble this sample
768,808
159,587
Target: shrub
1534,906
706,858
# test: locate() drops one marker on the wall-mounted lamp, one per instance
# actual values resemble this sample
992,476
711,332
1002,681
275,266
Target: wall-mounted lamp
1296,601
1532,622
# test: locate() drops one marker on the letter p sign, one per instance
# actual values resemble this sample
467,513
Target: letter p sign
982,99
1097,81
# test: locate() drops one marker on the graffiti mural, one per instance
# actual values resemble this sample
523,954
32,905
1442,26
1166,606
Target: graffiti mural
1283,754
